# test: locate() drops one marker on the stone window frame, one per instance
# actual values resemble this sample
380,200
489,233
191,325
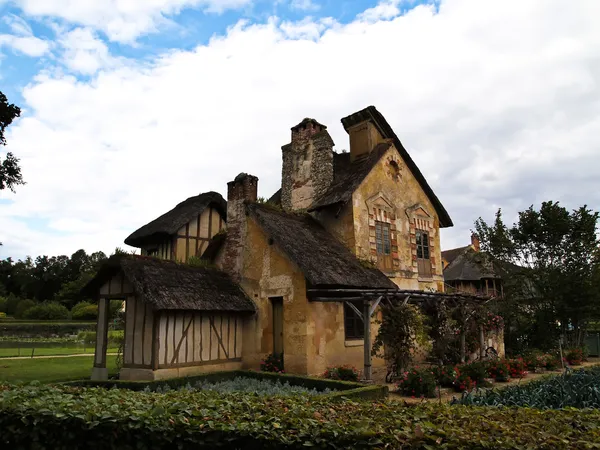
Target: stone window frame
386,214
426,224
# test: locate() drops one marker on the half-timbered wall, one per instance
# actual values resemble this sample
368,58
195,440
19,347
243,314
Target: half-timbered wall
139,322
190,240
188,338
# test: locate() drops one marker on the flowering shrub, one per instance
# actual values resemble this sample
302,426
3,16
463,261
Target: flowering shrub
551,362
534,360
463,382
272,363
417,383
344,373
493,322
499,370
574,356
445,375
477,371
517,368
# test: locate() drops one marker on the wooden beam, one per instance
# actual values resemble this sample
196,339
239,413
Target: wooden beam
367,340
356,310
372,310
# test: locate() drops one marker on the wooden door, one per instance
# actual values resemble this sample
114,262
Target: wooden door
277,305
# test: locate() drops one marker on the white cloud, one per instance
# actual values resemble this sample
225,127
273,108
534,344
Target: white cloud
22,39
496,103
305,5
84,52
121,20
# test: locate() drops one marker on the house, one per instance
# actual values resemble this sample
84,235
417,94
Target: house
295,275
468,270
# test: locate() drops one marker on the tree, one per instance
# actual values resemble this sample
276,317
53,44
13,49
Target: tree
10,172
551,267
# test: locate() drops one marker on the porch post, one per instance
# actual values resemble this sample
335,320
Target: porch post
100,372
367,339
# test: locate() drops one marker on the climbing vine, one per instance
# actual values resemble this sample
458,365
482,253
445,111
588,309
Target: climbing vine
401,330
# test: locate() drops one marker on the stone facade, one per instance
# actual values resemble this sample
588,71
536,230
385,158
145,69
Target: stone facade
307,165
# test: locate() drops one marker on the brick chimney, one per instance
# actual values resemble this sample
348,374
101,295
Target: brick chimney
307,169
475,241
242,190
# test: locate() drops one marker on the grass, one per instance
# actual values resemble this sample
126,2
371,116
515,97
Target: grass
49,351
49,370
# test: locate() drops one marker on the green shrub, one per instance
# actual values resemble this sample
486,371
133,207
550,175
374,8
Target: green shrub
23,306
3,315
477,371
499,370
533,360
551,362
574,356
517,368
43,329
114,338
463,382
417,383
579,389
82,419
344,373
47,311
11,304
89,312
272,363
3,303
445,375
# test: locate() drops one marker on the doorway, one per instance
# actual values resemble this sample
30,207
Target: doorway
277,313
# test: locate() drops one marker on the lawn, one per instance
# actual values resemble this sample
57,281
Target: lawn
49,370
49,351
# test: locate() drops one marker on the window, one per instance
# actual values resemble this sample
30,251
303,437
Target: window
423,262
382,237
353,324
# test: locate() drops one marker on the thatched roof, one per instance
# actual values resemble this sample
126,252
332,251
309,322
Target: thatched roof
323,260
453,253
349,176
471,266
171,221
169,285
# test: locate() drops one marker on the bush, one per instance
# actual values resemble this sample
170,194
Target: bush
445,375
463,383
23,306
344,373
477,371
574,356
272,363
551,362
534,360
114,338
517,368
3,304
2,315
499,370
86,311
84,418
47,311
417,383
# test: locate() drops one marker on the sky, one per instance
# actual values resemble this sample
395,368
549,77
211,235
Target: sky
130,107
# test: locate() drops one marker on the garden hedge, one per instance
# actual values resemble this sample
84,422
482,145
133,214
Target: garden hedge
345,389
43,328
61,417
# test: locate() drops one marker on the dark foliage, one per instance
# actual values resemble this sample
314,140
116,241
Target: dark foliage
10,172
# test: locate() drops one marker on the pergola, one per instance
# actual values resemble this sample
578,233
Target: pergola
371,298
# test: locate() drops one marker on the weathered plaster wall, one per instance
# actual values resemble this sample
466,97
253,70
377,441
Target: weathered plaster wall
340,223
391,183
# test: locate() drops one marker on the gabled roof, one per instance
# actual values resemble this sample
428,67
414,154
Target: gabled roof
174,286
323,260
376,118
453,253
348,177
471,266
173,220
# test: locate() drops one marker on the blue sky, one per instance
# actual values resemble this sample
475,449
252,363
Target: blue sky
495,101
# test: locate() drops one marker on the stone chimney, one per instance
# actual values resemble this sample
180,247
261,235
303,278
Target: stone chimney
307,169
475,241
242,190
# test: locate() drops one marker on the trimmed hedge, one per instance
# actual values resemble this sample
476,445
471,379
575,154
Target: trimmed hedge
344,389
43,328
60,417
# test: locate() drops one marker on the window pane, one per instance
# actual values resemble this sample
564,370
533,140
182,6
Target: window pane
386,239
425,240
378,237
353,325
418,239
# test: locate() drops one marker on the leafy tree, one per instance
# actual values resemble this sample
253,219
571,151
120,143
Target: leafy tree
10,172
551,266
23,306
